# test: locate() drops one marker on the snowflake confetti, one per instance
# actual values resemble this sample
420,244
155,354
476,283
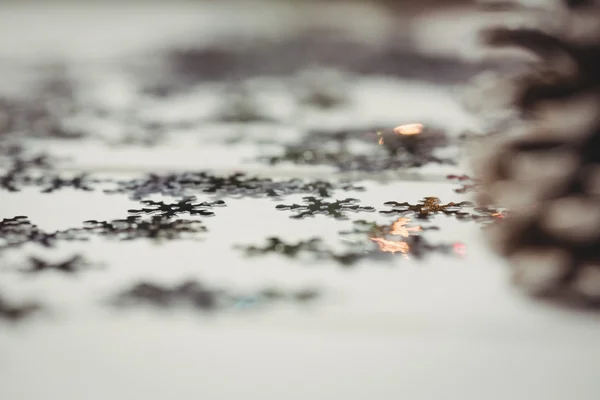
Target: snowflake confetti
201,297
428,207
137,227
186,206
19,230
234,185
69,266
314,206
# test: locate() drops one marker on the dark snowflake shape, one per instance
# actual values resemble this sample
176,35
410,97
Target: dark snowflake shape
279,246
51,184
314,247
201,297
19,225
137,227
36,170
70,266
16,313
431,206
49,239
366,247
19,230
190,292
241,185
428,207
316,206
234,185
13,182
9,182
186,206
349,258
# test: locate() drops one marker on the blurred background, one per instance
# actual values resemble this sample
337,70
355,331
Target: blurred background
366,36
156,62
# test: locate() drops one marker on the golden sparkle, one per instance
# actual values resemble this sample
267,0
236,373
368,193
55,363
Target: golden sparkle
399,228
409,129
390,246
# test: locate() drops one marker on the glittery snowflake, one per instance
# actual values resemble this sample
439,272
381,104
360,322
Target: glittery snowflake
400,227
314,206
402,236
19,230
428,207
136,227
186,206
234,185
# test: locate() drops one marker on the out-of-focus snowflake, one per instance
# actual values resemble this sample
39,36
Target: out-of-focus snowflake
380,150
49,184
16,312
137,227
70,266
336,209
194,294
467,183
234,185
428,207
385,237
279,246
19,230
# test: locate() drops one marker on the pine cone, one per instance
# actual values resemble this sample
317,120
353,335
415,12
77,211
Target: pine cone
546,170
